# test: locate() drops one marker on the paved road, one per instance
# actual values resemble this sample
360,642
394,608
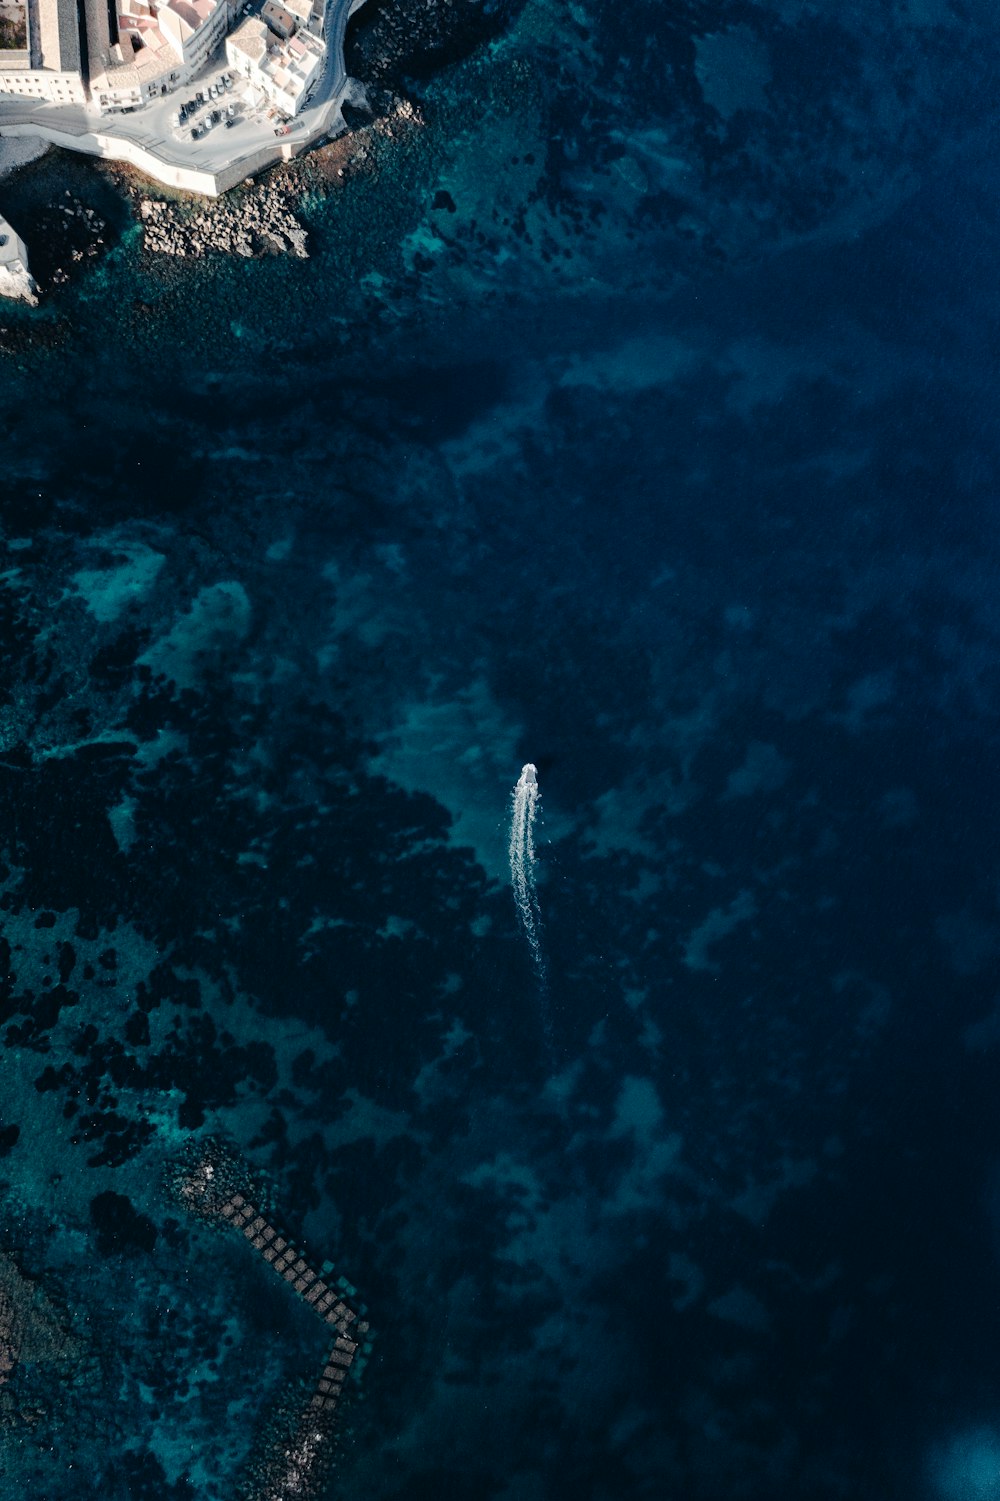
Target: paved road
220,149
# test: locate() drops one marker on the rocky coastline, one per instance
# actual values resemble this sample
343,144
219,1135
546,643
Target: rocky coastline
385,46
262,217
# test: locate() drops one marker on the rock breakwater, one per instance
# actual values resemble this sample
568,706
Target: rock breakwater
257,222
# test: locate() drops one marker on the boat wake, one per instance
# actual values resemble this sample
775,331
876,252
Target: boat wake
524,807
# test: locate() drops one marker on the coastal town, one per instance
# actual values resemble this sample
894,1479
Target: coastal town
196,94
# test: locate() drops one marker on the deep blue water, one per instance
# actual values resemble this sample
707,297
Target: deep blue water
636,417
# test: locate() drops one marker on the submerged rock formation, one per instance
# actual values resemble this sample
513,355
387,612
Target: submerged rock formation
74,232
32,1329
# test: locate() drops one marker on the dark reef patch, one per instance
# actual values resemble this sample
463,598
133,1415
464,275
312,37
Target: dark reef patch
392,44
121,1229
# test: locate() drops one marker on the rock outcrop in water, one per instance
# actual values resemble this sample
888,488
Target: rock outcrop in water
77,231
32,1330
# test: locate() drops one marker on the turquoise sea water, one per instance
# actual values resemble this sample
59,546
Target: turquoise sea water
634,417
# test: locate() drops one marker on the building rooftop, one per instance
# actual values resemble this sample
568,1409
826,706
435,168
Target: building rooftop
193,13
290,65
250,39
59,35
129,66
279,17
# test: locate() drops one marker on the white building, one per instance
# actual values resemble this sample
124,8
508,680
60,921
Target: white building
18,77
128,51
195,28
16,279
246,49
309,14
50,67
161,44
283,68
291,69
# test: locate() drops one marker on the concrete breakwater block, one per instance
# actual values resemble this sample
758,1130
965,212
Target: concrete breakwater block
215,1187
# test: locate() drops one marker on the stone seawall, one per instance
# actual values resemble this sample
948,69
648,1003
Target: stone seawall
192,179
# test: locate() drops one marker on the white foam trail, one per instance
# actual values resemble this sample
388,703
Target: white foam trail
524,806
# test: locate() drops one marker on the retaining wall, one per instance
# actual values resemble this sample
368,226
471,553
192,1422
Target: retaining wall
193,179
